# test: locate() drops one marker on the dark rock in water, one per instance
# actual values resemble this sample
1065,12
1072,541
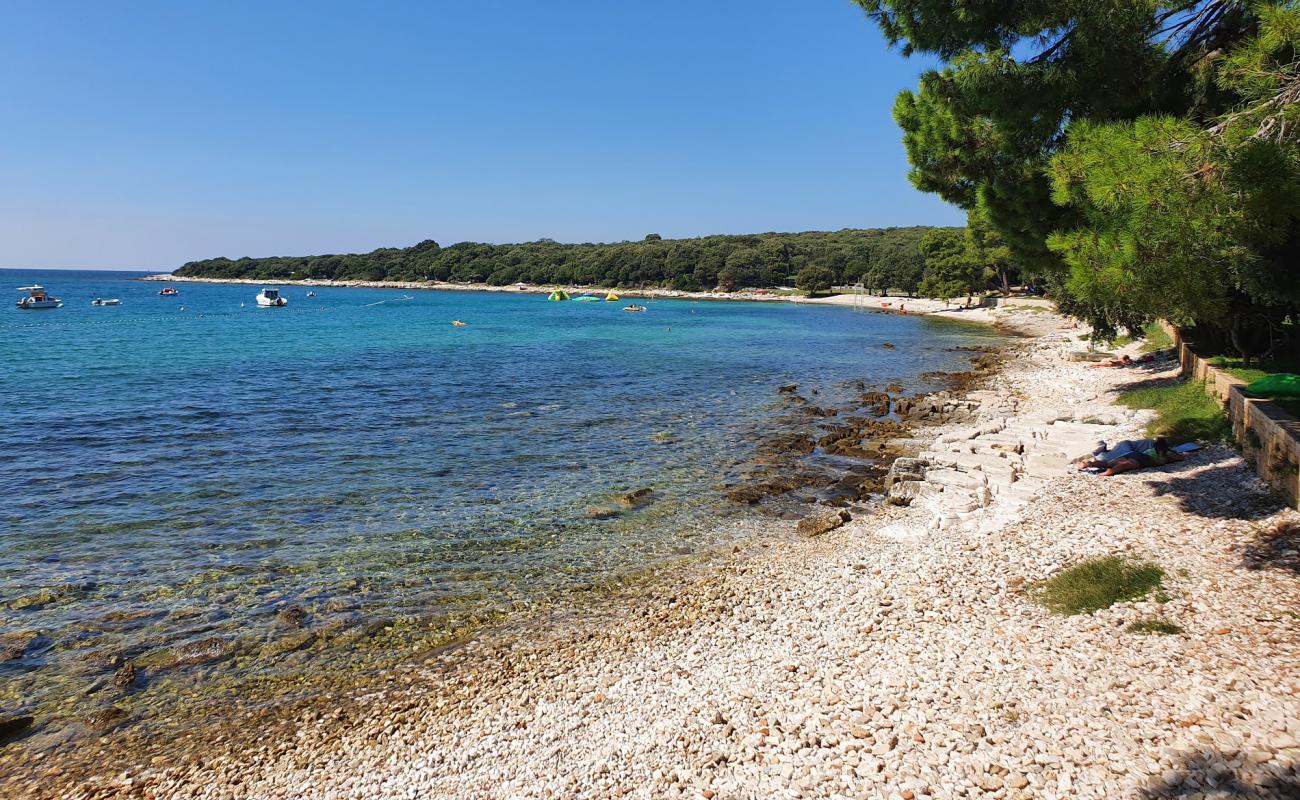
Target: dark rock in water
204,651
877,403
291,616
290,643
102,720
97,660
788,389
894,388
790,443
125,676
636,498
601,512
747,495
818,411
14,646
13,725
889,346
822,522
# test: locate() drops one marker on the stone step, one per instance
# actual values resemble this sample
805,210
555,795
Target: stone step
947,476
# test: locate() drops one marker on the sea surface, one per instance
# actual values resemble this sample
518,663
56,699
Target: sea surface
216,492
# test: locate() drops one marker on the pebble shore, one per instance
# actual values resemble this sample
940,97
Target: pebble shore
895,657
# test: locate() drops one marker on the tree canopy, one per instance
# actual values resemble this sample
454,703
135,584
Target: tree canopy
1139,156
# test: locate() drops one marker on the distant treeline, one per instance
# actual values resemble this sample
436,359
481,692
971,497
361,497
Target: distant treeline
883,258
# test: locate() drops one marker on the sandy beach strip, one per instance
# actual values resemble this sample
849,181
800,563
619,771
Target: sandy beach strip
895,657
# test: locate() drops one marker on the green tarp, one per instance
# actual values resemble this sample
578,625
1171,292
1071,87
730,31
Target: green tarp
1281,384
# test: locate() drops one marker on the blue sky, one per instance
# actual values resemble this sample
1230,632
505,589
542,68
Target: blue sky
149,133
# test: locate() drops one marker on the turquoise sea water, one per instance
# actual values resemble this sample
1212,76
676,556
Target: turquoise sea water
180,470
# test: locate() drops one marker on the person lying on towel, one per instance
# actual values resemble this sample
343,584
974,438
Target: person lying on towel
1132,454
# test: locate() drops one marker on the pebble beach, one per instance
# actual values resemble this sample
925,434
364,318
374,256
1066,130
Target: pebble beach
897,656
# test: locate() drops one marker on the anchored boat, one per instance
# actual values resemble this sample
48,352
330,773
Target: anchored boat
270,298
106,301
168,291
37,298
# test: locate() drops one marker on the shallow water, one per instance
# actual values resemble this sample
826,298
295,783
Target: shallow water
179,469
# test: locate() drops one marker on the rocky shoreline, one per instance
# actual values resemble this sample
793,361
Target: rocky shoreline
896,656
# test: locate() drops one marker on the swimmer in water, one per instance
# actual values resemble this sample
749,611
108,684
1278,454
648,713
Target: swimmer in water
458,323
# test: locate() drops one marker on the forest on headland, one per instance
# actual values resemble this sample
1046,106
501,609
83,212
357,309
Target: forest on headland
884,259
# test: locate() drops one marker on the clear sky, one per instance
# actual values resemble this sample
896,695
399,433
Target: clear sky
149,133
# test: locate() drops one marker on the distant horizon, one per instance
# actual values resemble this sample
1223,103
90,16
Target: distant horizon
137,137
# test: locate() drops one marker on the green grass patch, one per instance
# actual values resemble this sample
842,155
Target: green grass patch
1096,584
1184,412
1154,338
1148,627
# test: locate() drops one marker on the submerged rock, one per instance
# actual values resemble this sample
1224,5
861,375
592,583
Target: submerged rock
789,389
204,651
822,522
789,443
14,645
290,643
102,720
636,498
124,677
13,725
293,616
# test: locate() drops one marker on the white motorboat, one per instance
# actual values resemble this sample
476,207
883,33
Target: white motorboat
106,301
37,298
270,298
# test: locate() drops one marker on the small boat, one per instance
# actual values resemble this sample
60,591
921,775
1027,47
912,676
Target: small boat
611,297
270,298
168,291
558,294
634,307
106,301
37,298
311,294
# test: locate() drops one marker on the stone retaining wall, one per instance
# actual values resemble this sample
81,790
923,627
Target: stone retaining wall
1268,436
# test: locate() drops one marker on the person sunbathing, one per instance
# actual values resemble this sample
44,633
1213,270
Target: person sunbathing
1129,455
1124,361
